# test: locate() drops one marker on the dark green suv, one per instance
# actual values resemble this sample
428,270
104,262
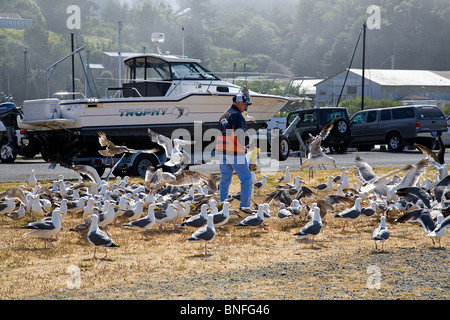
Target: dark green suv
312,122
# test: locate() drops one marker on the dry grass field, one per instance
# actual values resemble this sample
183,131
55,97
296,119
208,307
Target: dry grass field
269,264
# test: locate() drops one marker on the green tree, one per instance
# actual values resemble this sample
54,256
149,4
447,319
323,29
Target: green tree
354,105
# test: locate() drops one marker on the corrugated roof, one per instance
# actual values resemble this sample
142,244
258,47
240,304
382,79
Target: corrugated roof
308,85
9,15
393,77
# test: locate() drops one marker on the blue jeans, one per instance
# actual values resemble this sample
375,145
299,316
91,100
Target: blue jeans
227,166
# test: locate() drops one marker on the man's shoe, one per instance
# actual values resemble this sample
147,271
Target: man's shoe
247,210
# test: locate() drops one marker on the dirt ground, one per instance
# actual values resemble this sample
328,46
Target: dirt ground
241,264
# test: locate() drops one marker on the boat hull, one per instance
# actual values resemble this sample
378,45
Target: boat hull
73,131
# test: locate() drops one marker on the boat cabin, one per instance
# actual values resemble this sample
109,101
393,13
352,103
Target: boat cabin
152,75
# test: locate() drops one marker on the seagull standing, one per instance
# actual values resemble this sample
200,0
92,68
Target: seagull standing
286,177
325,187
37,210
296,208
312,228
89,208
220,218
284,213
350,214
17,214
197,220
45,229
98,237
206,233
144,223
135,211
440,229
260,184
368,212
381,234
32,181
107,217
8,206
255,220
167,216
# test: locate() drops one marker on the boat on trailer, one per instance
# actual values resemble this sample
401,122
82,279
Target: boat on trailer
174,96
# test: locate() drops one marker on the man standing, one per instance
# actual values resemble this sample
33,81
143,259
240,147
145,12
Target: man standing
232,141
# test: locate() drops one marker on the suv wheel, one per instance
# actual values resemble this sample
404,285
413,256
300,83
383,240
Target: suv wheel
395,142
341,125
6,153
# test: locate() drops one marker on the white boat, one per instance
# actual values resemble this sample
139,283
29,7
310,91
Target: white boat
160,92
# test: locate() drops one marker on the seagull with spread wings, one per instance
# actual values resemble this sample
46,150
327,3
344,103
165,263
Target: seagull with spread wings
436,160
113,150
314,152
172,147
155,178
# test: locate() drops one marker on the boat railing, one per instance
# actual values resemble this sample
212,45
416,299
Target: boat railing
268,79
65,93
186,77
119,89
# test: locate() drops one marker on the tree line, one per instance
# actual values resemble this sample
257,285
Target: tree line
314,38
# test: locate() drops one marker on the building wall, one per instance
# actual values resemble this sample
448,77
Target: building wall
17,24
327,92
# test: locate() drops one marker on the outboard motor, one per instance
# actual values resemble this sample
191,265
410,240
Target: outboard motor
8,115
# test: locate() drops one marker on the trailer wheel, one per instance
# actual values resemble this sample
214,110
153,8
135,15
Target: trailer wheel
283,149
141,164
6,153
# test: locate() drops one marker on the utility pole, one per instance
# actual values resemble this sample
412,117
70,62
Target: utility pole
363,64
25,72
182,41
120,55
73,67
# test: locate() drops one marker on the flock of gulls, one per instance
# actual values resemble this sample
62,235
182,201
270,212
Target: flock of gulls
189,200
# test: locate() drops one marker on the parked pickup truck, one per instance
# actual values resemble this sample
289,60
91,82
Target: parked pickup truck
397,127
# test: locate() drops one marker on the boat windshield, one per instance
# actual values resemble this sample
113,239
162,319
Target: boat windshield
190,71
147,68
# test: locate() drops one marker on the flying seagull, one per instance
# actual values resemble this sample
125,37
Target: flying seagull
172,147
314,152
113,150
436,160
